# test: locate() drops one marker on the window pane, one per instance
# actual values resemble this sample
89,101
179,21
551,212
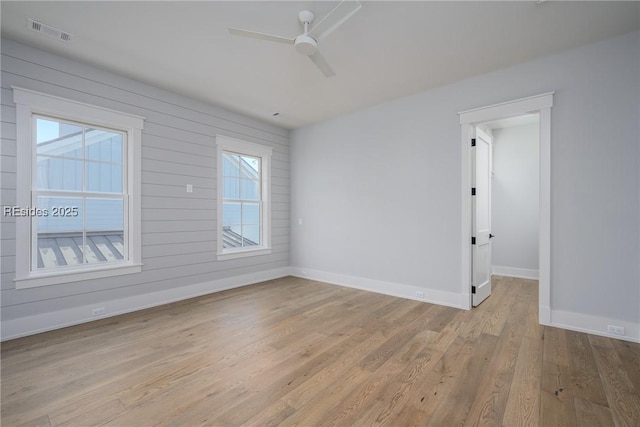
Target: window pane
105,215
230,164
231,188
231,214
104,246
251,235
56,229
63,214
249,189
58,139
250,213
104,146
48,253
58,174
250,167
104,177
55,250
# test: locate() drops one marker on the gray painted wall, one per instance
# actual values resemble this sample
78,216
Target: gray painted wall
515,193
379,190
178,148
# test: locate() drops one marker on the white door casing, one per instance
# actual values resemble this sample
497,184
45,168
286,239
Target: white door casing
481,222
541,104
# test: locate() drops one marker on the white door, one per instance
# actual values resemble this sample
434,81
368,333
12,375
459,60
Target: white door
481,227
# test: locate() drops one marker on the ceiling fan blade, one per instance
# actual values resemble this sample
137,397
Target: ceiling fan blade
322,64
343,11
262,36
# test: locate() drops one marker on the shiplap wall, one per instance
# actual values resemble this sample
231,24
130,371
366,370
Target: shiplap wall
178,148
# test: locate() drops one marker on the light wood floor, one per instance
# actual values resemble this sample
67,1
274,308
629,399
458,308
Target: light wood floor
297,352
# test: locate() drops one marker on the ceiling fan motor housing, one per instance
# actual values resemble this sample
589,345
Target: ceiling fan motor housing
306,45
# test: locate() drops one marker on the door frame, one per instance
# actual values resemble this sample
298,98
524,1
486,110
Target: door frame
540,104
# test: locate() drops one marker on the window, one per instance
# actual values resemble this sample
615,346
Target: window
243,198
77,191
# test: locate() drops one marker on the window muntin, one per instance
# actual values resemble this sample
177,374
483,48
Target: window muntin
80,181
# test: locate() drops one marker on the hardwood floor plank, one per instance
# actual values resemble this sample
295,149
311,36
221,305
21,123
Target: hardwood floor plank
89,415
42,421
298,352
378,356
459,402
523,404
592,414
329,397
400,374
622,398
301,395
497,317
218,389
556,412
585,380
432,388
276,415
440,317
557,405
598,341
491,395
629,355
349,412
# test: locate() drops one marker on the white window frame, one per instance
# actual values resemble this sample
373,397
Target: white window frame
30,103
225,143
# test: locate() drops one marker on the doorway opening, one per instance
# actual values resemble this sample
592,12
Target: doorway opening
470,120
514,197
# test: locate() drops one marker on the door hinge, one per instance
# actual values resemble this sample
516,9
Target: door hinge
473,289
473,240
473,191
473,142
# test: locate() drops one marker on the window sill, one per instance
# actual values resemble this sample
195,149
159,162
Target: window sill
243,254
59,277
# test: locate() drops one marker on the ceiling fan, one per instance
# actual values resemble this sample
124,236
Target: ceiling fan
307,42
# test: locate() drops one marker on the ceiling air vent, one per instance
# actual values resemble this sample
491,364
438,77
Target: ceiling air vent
49,30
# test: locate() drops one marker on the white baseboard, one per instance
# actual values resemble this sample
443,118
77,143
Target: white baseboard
594,325
433,296
523,273
23,326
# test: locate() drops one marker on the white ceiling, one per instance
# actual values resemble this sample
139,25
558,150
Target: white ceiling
385,51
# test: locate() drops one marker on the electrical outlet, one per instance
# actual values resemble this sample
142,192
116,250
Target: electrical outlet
613,329
189,188
98,311
420,294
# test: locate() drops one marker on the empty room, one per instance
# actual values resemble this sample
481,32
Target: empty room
320,213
